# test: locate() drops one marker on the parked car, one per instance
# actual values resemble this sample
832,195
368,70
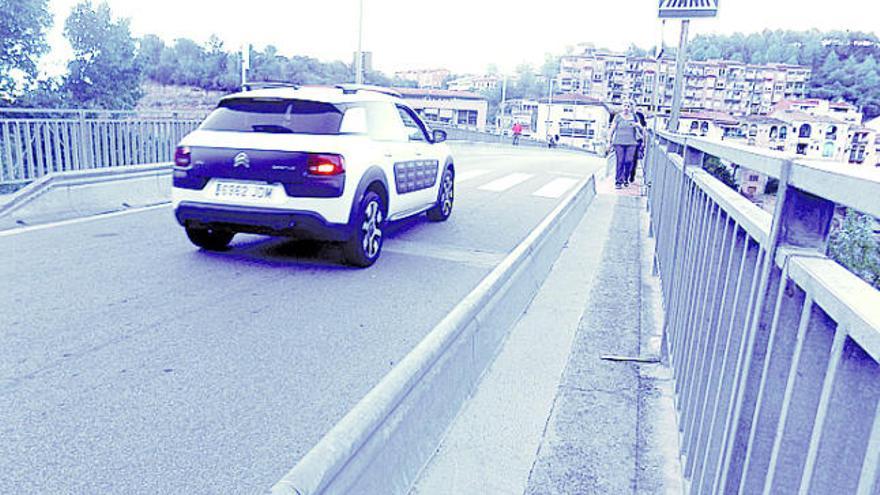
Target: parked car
328,163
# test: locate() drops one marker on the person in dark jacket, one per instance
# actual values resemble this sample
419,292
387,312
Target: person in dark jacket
640,151
625,136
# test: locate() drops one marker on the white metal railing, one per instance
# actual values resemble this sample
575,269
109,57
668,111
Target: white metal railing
37,142
774,347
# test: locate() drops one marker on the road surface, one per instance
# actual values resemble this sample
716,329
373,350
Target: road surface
134,362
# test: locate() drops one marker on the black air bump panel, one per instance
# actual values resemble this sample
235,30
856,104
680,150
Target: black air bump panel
415,175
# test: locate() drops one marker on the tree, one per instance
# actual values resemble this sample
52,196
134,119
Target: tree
105,72
23,25
853,245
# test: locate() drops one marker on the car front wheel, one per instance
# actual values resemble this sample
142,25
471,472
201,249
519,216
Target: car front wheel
209,238
445,196
365,245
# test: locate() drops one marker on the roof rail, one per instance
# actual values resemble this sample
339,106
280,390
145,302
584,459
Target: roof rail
250,86
351,89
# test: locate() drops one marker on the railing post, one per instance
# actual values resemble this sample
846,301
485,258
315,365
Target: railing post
801,224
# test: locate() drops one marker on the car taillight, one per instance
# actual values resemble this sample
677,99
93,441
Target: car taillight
326,164
182,157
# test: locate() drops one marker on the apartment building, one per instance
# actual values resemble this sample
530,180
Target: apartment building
717,85
427,78
580,121
474,83
442,106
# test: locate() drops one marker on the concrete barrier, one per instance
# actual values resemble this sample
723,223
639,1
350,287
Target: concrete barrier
383,443
87,192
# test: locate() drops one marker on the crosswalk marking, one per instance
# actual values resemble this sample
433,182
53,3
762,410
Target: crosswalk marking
505,182
470,174
555,188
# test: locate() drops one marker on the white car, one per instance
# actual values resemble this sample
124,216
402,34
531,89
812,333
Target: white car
329,163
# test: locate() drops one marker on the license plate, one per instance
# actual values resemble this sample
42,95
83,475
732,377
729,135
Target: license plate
253,192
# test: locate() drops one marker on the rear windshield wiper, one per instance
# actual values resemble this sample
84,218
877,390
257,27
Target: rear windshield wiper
279,129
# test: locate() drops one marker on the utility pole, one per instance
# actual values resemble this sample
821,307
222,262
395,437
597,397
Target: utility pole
656,97
501,107
680,63
359,57
245,63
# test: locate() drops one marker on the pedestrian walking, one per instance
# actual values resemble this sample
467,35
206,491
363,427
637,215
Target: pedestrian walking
640,150
517,131
625,136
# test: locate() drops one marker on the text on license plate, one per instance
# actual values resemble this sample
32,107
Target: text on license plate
246,191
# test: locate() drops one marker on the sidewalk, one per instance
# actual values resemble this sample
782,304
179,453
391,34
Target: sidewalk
551,416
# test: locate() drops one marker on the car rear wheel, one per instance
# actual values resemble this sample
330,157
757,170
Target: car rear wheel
445,197
365,245
209,238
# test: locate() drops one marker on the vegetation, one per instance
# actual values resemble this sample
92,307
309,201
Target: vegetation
846,65
23,28
714,166
854,245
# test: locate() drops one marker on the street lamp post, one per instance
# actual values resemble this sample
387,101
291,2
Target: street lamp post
680,62
359,58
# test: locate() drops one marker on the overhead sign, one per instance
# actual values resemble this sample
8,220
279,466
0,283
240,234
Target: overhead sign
688,8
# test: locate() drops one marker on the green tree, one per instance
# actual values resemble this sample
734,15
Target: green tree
854,246
105,72
23,25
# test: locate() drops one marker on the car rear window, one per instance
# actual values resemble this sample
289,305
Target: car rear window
274,115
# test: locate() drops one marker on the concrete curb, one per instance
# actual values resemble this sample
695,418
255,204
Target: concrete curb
87,192
383,443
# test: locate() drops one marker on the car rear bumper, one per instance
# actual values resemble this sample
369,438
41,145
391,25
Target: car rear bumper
261,220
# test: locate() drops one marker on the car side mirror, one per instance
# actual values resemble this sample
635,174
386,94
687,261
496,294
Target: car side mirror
438,135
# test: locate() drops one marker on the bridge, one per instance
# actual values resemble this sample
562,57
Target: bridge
555,336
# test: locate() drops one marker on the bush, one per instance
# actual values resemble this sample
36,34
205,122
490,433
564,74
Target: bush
854,245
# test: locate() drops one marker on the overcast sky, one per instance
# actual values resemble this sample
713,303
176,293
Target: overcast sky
461,35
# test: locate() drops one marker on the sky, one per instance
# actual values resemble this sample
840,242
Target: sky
464,36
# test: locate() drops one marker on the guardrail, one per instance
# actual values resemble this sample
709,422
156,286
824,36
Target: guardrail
36,142
774,347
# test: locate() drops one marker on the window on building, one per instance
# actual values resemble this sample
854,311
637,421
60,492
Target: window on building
753,130
783,132
802,149
704,128
753,177
695,126
828,150
774,132
831,132
805,131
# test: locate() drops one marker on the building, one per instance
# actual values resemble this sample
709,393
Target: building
579,121
708,124
474,83
524,112
428,78
815,130
443,106
874,125
717,85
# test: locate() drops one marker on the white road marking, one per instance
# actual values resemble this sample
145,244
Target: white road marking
555,188
72,221
506,182
470,174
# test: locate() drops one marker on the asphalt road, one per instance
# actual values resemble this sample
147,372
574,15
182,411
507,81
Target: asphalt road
134,362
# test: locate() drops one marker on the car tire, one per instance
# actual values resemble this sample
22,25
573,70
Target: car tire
208,238
365,245
445,197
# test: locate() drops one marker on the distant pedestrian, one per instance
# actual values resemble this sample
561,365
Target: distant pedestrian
625,136
640,150
517,131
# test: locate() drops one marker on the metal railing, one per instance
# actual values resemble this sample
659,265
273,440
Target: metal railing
37,142
774,347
